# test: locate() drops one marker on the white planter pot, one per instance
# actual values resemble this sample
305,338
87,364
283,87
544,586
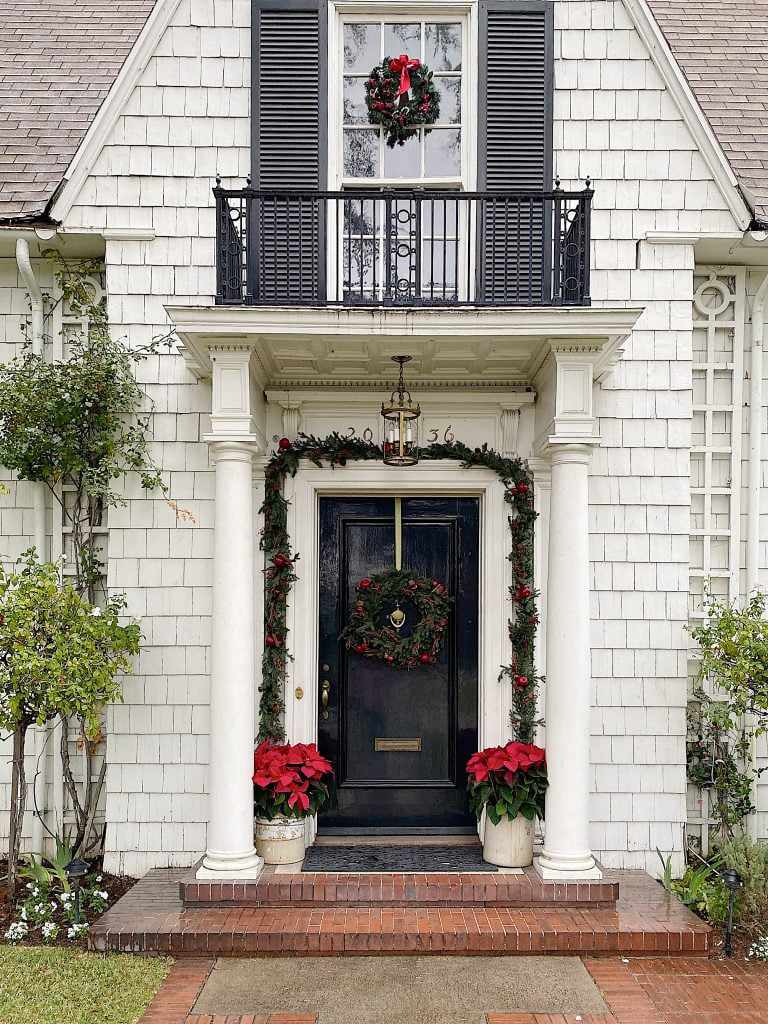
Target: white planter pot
280,840
508,844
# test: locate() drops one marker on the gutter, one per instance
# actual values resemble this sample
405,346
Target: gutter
39,532
755,470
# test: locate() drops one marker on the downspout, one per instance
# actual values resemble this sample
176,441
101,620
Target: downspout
755,472
24,264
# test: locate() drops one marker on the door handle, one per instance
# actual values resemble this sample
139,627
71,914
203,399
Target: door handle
325,692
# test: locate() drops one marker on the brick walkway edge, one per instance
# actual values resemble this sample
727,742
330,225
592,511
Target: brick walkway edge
637,991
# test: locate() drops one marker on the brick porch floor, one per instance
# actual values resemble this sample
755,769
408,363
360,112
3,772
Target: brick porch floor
151,918
637,991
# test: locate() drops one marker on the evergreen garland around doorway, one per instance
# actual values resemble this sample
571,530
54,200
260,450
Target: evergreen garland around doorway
280,572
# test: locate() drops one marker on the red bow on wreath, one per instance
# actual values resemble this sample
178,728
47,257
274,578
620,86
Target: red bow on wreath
404,64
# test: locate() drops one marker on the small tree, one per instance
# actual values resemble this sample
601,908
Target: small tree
59,655
733,644
734,656
80,425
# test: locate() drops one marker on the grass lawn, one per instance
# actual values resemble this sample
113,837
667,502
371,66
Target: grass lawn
69,986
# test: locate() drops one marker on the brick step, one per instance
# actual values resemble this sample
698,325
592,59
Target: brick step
366,931
466,889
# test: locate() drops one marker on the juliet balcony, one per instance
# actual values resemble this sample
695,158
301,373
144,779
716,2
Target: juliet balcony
402,248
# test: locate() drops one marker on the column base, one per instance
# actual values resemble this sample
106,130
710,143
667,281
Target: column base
218,866
567,869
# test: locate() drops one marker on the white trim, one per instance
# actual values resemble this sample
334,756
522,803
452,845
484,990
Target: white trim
711,151
435,478
110,110
690,238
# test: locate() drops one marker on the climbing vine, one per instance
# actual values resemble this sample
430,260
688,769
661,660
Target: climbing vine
724,720
280,573
79,425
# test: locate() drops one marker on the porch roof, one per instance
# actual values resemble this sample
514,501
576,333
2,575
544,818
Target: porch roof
458,348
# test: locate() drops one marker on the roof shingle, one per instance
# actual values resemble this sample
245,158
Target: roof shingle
58,61
722,48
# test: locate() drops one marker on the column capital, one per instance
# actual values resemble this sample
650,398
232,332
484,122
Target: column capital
574,452
233,449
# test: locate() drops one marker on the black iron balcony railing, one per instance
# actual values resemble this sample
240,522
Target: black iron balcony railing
402,247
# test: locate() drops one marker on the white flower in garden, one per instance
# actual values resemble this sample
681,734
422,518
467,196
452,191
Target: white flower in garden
50,931
17,931
759,949
76,930
23,914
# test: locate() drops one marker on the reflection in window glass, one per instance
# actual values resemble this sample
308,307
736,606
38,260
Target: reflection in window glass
402,39
361,153
403,161
442,157
362,46
442,47
450,99
355,110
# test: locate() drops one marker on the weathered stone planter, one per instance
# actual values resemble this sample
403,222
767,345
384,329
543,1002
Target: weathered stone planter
510,843
280,840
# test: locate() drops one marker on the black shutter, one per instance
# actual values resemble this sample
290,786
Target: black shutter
516,71
289,150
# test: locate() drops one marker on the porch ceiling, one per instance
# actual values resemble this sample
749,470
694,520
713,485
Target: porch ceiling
330,347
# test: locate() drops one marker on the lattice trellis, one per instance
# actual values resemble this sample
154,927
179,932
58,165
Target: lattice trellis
64,325
718,373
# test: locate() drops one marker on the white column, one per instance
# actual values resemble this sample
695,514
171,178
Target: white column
566,853
230,852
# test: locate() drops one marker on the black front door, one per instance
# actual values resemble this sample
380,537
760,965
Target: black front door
399,740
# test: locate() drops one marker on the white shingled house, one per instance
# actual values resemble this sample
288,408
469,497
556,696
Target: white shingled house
574,254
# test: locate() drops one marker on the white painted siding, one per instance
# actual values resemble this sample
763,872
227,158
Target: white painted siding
189,119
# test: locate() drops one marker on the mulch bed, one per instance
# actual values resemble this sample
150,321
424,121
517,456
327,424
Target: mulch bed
116,885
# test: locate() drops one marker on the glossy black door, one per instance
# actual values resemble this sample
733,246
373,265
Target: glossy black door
429,714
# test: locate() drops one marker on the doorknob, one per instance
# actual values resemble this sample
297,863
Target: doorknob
325,688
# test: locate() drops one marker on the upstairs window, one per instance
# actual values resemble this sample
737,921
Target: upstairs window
435,155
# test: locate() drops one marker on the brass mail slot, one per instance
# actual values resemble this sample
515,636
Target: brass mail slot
413,745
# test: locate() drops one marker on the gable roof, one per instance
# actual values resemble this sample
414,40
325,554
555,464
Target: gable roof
722,48
58,61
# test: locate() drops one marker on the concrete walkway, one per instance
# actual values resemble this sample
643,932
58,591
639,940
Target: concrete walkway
635,991
389,990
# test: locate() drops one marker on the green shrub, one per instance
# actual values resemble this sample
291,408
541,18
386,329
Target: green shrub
750,859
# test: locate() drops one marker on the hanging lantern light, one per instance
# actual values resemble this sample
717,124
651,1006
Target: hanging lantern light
401,424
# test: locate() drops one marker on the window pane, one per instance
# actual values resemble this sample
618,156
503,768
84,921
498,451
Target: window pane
361,153
450,99
360,215
443,153
355,110
362,47
402,39
360,267
442,47
403,161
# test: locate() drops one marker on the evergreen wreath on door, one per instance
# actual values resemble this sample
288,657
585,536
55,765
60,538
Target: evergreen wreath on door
280,571
374,629
401,96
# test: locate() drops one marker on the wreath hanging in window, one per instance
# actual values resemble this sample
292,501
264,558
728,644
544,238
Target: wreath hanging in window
401,95
377,619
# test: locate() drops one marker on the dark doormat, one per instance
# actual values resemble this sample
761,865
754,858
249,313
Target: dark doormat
429,859
396,990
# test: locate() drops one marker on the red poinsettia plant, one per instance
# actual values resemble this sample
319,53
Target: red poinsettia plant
289,780
508,780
